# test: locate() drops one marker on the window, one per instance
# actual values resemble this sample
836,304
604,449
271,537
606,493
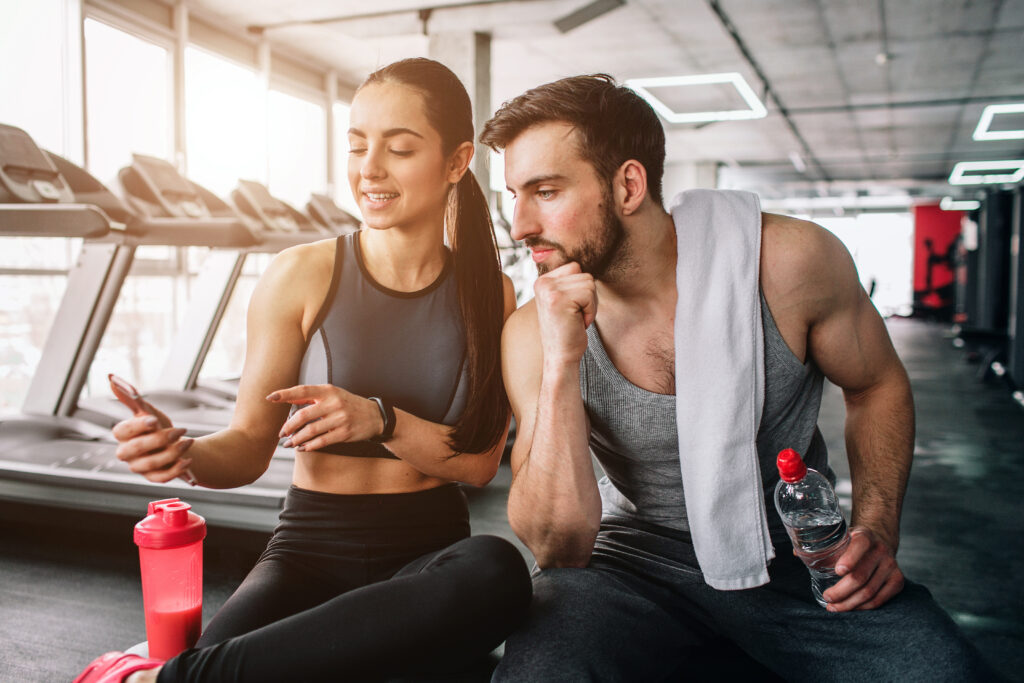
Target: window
297,131
149,309
227,351
225,122
129,104
33,277
40,82
41,86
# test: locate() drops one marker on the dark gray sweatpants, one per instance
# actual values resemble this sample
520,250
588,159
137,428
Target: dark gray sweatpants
642,612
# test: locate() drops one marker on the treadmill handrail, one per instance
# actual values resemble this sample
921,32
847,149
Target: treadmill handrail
53,220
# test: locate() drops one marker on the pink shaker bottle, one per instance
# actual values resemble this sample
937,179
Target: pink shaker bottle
170,541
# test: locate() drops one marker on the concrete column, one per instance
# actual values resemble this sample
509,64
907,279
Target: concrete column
468,54
180,43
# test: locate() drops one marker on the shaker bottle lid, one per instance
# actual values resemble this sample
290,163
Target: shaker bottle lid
170,524
791,467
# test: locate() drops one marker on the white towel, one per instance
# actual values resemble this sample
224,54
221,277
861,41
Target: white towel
719,349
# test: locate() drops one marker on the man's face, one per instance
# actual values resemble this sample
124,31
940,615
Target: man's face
564,210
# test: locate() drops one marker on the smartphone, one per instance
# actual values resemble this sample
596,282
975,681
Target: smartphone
130,396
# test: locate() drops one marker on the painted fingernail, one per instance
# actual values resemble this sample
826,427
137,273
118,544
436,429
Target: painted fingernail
185,445
151,421
301,447
274,396
178,432
287,443
185,461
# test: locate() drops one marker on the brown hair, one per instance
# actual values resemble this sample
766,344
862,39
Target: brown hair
474,249
614,123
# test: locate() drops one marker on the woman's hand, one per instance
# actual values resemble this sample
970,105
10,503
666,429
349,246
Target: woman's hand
152,446
331,415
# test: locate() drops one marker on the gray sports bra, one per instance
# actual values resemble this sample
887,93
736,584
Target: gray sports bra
407,347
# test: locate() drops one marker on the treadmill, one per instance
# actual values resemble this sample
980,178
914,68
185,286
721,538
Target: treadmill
276,226
324,211
157,193
50,454
254,200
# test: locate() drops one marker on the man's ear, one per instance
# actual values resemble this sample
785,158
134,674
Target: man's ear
630,186
458,162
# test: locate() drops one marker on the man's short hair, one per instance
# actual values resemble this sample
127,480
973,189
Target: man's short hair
615,124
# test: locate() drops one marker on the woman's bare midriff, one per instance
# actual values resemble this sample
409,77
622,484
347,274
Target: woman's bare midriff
343,474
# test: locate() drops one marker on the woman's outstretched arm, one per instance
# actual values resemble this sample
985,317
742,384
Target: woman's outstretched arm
282,309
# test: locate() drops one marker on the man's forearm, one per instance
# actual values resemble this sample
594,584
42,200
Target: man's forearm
554,503
880,447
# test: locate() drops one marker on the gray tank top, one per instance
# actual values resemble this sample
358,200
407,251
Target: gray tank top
407,347
633,431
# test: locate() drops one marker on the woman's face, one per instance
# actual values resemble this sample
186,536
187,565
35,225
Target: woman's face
398,173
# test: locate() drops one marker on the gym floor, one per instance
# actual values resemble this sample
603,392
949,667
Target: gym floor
69,581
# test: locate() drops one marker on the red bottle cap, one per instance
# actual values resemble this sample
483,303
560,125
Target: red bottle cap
170,524
791,467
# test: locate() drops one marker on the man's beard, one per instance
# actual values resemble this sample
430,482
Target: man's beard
596,255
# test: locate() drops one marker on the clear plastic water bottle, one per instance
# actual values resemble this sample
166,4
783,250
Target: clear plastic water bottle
808,507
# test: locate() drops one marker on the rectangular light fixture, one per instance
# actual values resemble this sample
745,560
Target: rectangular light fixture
1014,166
950,204
983,133
756,111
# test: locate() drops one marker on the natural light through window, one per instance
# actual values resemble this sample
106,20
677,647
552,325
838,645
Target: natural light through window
297,130
129,103
37,90
225,106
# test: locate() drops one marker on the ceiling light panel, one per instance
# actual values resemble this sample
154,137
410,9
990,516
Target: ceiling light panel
972,172
984,132
950,204
754,110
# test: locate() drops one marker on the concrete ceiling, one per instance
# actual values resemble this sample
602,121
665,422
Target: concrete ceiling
875,96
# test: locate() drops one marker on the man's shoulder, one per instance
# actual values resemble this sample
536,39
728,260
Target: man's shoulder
792,247
802,264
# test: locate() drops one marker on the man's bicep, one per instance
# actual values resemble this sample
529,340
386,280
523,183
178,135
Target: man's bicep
848,340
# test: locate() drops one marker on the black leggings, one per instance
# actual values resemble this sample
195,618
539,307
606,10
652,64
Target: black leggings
364,587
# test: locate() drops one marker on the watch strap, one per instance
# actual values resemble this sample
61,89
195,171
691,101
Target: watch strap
387,415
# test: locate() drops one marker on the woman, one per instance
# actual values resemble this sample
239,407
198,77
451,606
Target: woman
394,340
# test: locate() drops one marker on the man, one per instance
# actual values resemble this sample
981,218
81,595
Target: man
624,565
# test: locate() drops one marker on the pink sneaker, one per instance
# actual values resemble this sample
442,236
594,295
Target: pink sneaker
114,667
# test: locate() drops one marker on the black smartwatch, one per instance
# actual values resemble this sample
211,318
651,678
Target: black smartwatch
387,415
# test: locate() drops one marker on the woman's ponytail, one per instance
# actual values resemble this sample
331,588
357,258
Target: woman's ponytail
481,299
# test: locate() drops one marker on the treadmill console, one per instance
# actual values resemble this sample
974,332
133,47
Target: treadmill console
27,176
327,213
157,182
255,200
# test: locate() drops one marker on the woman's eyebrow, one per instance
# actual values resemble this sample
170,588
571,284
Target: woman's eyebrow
389,133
